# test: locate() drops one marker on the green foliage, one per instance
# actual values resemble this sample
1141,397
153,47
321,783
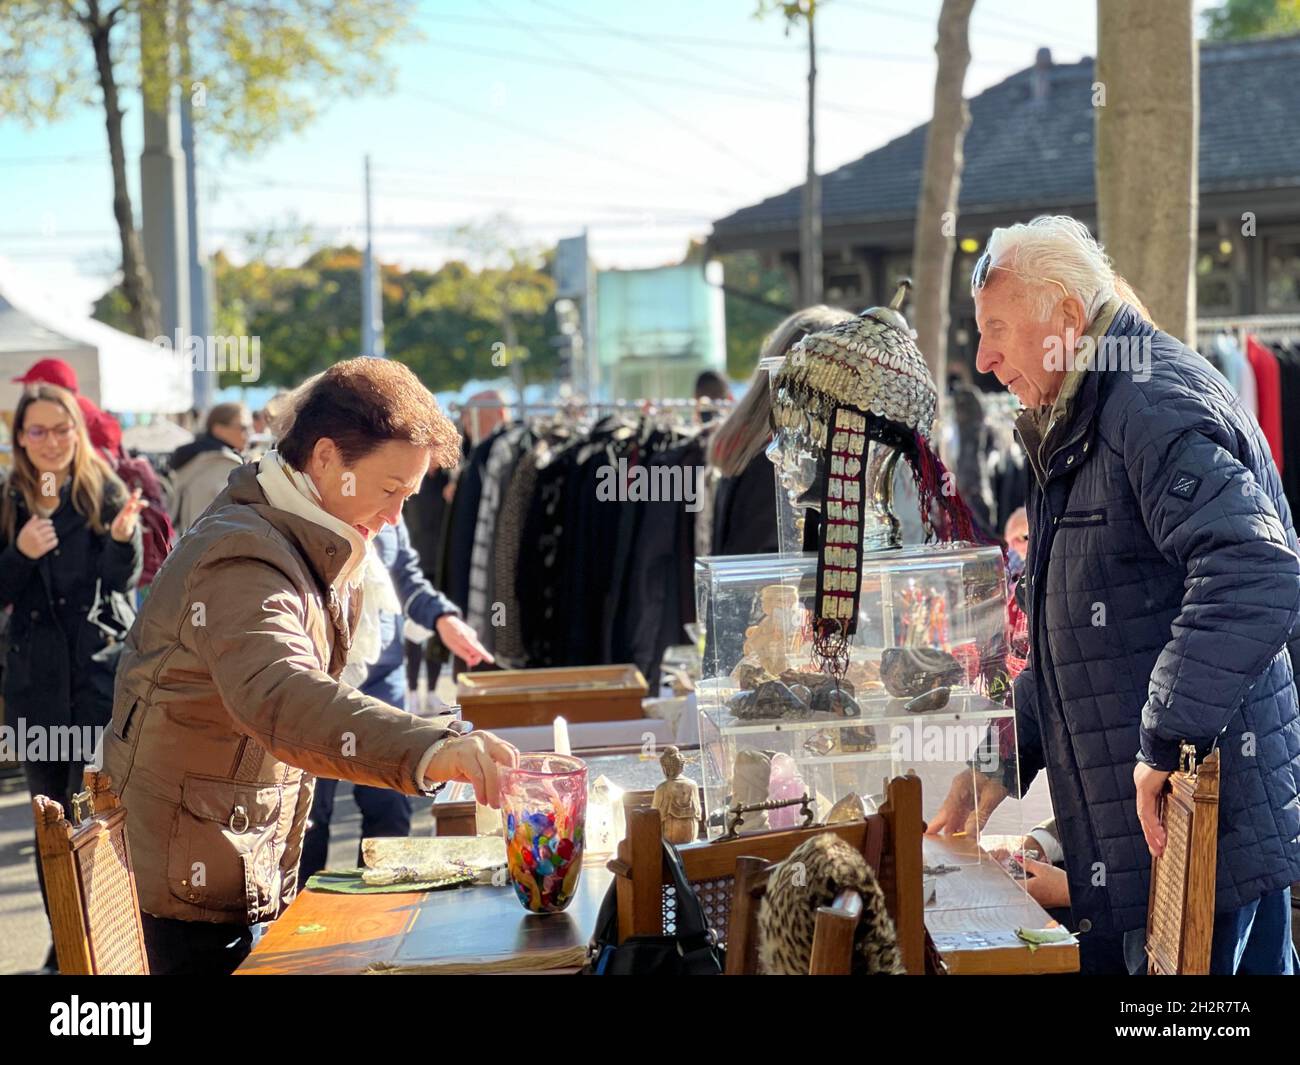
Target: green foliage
793,11
112,309
749,320
255,71
442,323
1238,19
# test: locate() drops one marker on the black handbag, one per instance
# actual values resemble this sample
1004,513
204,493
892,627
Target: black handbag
113,616
691,951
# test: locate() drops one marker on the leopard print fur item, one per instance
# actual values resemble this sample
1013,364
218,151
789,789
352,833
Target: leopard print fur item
814,874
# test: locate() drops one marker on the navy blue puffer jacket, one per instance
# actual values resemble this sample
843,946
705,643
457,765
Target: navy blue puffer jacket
1163,586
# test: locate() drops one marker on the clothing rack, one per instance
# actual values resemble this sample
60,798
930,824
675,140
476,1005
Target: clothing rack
1264,326
541,408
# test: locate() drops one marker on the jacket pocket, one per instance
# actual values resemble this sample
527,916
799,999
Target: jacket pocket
1082,518
121,723
223,854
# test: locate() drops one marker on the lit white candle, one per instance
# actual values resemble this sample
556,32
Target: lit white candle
562,736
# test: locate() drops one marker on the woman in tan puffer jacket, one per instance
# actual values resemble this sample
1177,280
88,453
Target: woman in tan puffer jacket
228,698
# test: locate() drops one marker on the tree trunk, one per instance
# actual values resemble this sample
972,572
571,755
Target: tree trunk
136,286
810,233
1147,98
936,214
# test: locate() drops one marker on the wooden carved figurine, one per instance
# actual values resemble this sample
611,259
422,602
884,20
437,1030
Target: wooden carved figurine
677,799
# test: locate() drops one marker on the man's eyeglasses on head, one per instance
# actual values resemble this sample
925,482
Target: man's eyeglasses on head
37,433
980,276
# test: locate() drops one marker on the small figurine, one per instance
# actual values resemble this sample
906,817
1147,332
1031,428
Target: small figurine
677,799
938,620
778,639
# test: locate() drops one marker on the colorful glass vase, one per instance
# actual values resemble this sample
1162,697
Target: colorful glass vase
544,810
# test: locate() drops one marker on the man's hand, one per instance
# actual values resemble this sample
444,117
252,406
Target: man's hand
971,800
37,538
474,759
461,640
1047,885
1150,783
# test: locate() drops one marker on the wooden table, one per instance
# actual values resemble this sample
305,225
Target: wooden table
976,912
429,931
972,921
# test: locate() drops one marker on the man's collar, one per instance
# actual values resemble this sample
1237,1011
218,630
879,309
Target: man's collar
1040,429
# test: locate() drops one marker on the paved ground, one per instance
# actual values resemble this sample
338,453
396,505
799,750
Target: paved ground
24,934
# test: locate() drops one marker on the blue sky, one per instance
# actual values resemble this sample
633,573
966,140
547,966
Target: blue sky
642,122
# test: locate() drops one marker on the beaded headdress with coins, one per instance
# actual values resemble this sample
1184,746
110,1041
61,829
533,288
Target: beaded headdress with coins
859,381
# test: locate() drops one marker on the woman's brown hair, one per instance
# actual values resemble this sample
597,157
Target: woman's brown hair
91,476
361,404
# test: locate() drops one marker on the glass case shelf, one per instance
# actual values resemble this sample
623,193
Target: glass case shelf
926,689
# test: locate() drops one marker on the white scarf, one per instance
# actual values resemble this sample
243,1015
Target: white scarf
362,573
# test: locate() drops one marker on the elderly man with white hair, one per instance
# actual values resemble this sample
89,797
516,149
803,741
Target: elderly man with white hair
1162,588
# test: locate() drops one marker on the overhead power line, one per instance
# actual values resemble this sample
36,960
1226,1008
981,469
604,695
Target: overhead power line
580,150
654,79
712,42
702,135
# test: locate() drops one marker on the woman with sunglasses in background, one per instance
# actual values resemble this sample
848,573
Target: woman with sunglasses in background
69,547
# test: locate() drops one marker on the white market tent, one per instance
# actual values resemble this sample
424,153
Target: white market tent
119,372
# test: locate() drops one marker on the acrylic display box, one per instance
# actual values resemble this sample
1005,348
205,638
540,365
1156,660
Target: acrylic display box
930,627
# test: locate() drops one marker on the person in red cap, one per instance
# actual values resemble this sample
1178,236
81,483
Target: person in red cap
51,372
58,372
136,473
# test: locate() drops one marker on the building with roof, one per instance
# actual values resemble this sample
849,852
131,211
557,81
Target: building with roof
1029,150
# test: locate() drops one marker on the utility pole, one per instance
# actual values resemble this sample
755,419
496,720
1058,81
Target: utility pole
810,232
162,179
372,309
200,277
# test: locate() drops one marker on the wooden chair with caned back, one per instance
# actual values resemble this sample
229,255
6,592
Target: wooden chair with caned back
89,882
890,840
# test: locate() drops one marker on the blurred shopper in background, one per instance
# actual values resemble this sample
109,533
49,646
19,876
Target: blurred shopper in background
69,551
135,472
200,469
711,392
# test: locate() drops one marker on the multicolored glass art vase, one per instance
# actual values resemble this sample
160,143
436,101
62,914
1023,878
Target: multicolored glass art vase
544,810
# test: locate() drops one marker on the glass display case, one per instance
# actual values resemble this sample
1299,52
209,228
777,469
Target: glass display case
926,689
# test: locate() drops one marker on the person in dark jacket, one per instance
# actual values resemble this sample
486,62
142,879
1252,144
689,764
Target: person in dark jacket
409,605
1163,586
69,551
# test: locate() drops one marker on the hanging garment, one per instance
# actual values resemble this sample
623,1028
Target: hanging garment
1288,359
497,470
509,649
1268,384
464,519
661,580
539,576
